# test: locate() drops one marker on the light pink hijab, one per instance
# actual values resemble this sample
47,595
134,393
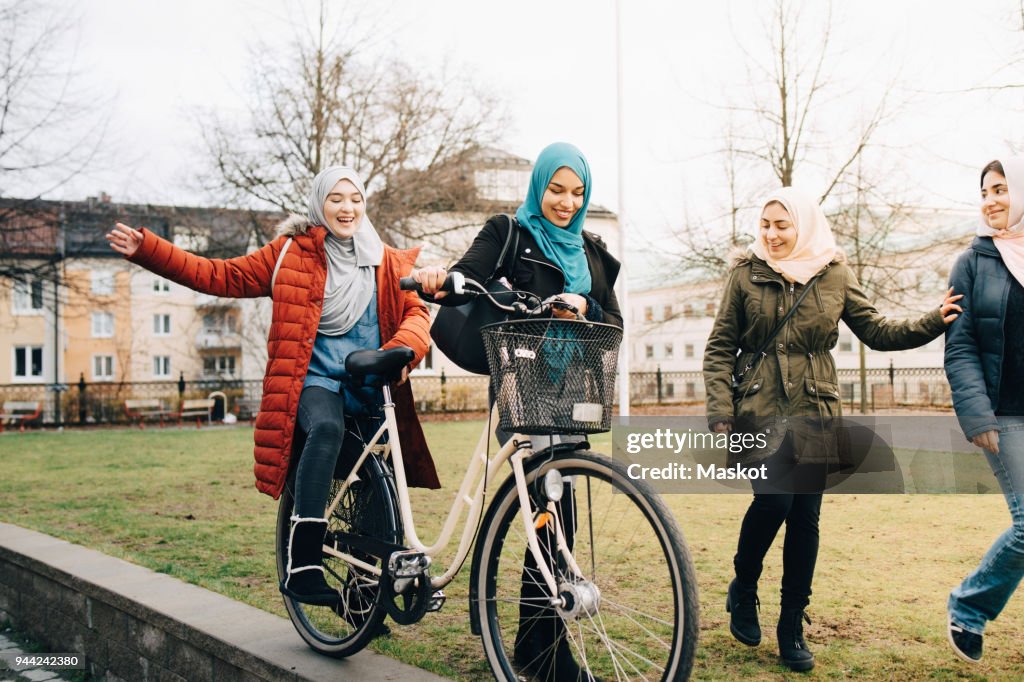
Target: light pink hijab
815,245
1010,242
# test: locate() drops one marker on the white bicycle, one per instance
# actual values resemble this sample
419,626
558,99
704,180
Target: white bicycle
568,537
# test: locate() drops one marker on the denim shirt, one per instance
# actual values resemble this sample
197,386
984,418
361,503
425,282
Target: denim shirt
327,365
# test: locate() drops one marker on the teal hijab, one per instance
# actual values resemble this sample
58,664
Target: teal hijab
562,245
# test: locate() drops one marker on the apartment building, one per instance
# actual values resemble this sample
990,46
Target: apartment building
78,310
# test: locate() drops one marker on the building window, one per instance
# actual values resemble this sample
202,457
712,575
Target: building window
102,282
670,390
219,365
668,351
162,324
102,325
648,351
688,350
687,310
219,323
648,313
709,309
161,285
691,389
28,362
102,367
162,366
428,359
667,312
845,344
28,296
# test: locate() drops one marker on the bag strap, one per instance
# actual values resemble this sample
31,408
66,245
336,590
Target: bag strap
778,327
277,266
513,235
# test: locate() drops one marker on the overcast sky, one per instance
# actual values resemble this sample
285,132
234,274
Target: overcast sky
554,65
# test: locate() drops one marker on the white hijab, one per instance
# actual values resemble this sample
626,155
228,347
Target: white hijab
350,262
1010,242
815,245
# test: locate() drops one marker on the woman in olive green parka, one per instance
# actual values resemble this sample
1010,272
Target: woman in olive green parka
790,393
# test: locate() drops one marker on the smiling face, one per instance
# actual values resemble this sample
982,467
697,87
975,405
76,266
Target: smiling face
995,200
777,231
344,209
563,197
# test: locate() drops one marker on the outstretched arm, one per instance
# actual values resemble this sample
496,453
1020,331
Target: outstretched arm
243,277
881,333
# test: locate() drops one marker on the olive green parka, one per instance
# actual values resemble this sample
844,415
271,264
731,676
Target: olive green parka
794,386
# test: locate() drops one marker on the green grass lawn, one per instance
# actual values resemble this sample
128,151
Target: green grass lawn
182,502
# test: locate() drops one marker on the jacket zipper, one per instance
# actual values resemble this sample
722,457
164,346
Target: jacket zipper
792,288
553,267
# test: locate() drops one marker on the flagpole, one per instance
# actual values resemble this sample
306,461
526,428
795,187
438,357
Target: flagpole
622,294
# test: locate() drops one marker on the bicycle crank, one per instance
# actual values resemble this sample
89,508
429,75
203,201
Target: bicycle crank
406,588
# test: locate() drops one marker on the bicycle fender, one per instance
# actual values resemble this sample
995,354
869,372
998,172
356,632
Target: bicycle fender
535,460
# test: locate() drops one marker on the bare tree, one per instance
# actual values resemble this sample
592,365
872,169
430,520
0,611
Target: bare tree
319,102
776,134
51,130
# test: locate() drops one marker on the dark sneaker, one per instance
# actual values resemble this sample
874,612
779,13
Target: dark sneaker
966,645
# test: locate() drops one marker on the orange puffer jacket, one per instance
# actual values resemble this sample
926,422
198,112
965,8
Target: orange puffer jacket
298,291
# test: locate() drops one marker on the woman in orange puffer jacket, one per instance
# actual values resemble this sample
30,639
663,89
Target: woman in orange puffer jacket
335,289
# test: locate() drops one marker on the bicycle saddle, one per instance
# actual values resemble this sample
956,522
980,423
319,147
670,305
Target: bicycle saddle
383,365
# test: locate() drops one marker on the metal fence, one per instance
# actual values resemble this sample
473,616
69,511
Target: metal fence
886,387
87,403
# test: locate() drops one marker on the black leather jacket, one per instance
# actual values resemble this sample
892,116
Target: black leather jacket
532,271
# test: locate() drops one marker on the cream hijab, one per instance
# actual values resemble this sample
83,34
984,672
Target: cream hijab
1010,242
815,245
350,262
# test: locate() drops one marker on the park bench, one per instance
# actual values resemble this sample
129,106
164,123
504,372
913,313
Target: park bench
141,409
195,407
19,412
248,408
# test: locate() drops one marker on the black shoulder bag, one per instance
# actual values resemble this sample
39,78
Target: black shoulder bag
456,329
760,352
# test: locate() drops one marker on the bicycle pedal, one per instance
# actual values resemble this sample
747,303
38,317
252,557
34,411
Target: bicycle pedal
436,601
408,564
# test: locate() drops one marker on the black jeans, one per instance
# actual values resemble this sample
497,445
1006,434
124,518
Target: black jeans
766,514
321,419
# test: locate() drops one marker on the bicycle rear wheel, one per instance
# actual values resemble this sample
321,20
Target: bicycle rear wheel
635,596
367,508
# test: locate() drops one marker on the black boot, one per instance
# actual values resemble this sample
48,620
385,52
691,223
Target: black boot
792,646
742,605
304,581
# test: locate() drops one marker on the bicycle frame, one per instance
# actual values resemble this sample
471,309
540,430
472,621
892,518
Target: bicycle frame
480,473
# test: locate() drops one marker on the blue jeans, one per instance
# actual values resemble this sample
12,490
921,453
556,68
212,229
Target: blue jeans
983,594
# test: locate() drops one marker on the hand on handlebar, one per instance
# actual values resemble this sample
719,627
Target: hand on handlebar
574,300
430,280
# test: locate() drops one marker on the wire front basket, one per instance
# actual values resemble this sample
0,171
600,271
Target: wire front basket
552,375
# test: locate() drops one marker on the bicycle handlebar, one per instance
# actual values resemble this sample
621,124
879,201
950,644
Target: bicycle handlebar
459,284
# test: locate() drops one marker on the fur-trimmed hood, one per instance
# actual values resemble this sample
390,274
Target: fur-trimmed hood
294,224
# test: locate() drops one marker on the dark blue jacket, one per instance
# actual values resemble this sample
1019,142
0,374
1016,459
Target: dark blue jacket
974,342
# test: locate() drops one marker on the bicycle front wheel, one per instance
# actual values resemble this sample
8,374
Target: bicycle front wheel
627,610
367,508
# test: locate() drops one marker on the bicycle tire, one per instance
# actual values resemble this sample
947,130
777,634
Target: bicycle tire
368,507
627,543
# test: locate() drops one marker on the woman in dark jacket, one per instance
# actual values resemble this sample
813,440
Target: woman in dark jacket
985,366
790,394
555,256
